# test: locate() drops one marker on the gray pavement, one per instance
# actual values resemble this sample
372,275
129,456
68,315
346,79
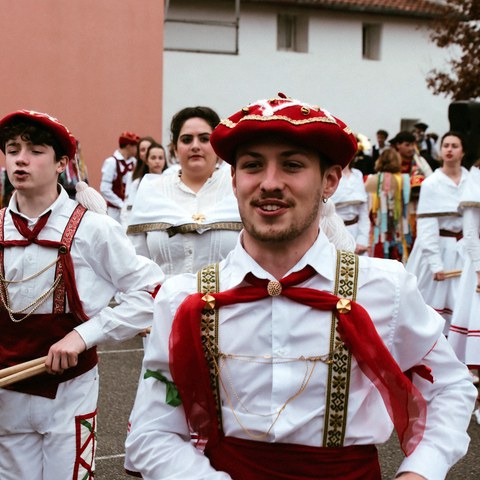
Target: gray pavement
119,373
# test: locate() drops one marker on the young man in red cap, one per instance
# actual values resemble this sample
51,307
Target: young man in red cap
59,267
117,173
290,359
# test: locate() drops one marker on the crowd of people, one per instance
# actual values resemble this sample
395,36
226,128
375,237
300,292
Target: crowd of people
300,296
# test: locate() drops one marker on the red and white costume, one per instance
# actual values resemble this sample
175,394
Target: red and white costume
464,335
116,177
47,424
264,342
439,228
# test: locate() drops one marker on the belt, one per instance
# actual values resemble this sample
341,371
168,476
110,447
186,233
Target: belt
449,233
353,221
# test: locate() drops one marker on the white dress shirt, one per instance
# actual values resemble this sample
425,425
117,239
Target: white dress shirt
158,444
105,263
166,199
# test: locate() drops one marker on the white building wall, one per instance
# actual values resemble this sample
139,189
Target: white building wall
367,94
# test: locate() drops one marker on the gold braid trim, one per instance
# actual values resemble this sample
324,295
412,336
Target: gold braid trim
438,214
469,204
208,282
229,124
338,381
182,229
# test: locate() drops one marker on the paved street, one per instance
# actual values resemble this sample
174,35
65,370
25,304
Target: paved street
119,369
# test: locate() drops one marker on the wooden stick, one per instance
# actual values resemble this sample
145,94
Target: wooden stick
27,373
5,372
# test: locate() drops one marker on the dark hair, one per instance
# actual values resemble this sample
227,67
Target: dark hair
148,139
31,132
205,113
389,161
403,136
140,172
459,135
382,132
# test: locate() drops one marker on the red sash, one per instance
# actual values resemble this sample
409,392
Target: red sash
250,460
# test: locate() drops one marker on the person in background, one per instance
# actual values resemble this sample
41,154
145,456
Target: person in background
465,327
381,145
117,173
288,358
60,265
416,167
155,162
351,204
439,227
389,191
425,145
189,219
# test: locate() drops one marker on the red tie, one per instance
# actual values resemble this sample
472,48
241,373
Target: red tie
404,402
21,223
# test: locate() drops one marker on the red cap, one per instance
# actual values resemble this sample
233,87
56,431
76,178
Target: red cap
61,132
290,119
128,138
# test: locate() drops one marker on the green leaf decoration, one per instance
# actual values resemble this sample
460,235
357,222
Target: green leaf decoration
173,397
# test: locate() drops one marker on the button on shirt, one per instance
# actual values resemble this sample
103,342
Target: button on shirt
280,328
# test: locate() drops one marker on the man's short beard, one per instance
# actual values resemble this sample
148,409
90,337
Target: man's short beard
288,235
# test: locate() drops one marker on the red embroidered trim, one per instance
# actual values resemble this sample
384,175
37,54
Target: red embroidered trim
80,448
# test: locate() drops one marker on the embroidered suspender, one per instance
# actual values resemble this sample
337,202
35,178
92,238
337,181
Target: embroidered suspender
59,295
338,380
208,282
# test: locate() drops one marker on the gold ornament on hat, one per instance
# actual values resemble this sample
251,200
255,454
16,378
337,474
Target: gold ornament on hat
305,110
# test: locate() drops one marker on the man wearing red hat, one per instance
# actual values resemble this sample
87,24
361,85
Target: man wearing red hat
117,173
291,359
59,267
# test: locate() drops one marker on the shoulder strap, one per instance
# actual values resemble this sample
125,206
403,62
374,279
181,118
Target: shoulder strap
208,282
67,288
338,381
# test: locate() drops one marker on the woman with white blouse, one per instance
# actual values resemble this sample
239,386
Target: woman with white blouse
435,257
464,333
188,220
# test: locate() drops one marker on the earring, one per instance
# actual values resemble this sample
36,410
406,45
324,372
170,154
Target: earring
324,199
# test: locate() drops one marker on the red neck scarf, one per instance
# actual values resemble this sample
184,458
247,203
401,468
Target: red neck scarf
404,402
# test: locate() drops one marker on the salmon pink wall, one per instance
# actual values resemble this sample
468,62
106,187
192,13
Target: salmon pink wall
94,64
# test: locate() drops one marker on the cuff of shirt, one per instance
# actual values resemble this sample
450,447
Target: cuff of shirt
436,264
91,333
419,462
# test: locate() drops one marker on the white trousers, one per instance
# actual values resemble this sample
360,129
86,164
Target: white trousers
50,439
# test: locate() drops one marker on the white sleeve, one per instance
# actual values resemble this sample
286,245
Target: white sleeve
363,236
109,173
139,241
112,257
428,238
450,398
158,445
471,228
